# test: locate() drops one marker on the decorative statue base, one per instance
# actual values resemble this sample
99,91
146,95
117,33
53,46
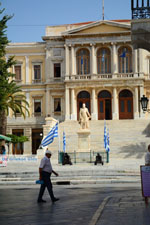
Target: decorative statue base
83,140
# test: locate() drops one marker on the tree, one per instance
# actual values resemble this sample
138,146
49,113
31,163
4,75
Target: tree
11,95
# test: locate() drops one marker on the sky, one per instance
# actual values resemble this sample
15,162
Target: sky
30,17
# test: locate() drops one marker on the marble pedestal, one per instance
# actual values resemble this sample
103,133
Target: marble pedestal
83,140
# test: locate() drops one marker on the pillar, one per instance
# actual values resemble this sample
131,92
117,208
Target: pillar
94,105
67,105
135,69
27,70
67,59
47,105
28,100
28,144
114,59
94,71
73,105
72,60
136,104
115,104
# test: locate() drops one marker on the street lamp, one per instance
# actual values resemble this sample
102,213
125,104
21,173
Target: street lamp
144,102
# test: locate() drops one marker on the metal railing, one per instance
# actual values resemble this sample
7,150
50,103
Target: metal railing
140,9
84,157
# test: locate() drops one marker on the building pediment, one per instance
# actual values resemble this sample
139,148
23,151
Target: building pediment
100,27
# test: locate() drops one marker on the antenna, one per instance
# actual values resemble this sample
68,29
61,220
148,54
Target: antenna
103,11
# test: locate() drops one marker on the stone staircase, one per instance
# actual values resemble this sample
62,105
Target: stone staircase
128,138
128,144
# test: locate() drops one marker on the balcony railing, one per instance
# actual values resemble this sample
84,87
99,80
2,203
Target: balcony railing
36,81
104,76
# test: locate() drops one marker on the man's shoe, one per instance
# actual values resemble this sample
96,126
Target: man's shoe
41,201
55,200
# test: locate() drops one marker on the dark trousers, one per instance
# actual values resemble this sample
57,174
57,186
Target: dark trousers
48,184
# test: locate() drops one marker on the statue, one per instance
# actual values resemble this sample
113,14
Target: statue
84,117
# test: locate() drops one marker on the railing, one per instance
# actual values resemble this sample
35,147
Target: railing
140,11
36,81
84,157
104,76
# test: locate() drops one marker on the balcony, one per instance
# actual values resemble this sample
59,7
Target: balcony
36,81
104,76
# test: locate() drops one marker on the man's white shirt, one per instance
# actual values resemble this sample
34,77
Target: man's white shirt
45,165
147,158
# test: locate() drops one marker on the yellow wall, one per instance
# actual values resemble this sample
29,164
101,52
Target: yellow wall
102,29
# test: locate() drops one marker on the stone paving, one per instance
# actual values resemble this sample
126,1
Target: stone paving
78,205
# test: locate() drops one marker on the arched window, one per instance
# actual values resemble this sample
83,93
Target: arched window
103,61
125,94
125,60
83,61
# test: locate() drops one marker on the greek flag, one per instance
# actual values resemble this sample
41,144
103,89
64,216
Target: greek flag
51,135
103,56
105,135
64,142
123,55
108,147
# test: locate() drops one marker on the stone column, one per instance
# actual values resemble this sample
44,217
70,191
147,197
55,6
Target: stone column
48,64
27,70
47,106
72,60
94,106
28,144
28,100
136,104
94,70
115,104
142,115
67,59
67,105
114,59
135,66
73,116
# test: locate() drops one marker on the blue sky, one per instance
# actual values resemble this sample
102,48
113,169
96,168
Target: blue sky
32,16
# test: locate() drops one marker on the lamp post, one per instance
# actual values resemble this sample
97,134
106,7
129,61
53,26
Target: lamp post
144,102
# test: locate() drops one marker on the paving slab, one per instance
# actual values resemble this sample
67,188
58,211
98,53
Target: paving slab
78,205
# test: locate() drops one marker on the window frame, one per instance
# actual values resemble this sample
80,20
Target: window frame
55,77
125,64
18,64
37,114
57,112
81,70
101,66
33,72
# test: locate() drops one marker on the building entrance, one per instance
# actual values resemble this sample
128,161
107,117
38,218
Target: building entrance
37,135
125,105
83,97
104,106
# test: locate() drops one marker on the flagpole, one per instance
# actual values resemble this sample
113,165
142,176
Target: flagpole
103,11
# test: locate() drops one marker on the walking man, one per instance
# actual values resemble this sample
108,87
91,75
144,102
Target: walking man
45,171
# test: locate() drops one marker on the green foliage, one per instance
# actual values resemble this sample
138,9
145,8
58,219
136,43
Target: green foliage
11,96
17,139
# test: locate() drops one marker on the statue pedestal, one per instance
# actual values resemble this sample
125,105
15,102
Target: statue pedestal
40,153
83,140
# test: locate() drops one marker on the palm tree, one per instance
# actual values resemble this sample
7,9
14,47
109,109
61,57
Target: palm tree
11,95
12,98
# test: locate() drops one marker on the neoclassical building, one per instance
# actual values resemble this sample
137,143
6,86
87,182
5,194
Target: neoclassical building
92,63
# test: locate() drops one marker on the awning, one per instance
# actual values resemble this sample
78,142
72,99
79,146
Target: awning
2,137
